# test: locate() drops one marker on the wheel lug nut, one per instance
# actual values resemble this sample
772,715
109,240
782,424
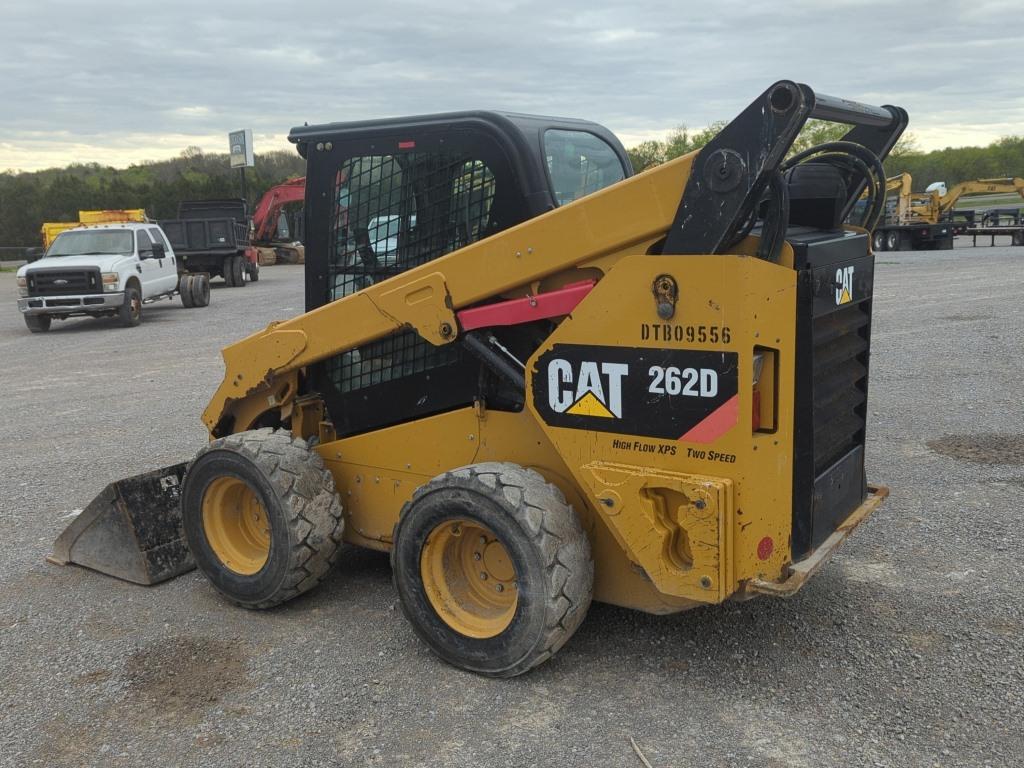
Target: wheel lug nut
476,556
456,530
483,576
483,541
500,587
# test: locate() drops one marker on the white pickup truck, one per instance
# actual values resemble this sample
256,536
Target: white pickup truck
105,270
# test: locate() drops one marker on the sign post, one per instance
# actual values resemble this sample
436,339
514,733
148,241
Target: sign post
241,154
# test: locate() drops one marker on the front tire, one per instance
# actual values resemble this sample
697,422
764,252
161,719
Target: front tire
130,313
492,568
261,516
38,323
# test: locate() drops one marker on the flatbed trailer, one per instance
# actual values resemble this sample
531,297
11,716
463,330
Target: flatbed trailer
1015,233
915,236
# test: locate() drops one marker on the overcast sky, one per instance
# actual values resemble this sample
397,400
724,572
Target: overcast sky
119,83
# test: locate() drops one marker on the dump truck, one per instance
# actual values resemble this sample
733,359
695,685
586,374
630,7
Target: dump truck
213,237
50,229
555,382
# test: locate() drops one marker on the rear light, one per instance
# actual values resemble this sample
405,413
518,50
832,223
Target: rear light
764,413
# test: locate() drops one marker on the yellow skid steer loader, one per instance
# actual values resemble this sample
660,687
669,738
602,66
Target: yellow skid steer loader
538,380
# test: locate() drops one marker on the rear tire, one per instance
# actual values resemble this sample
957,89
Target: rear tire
492,568
1018,237
254,271
261,516
130,313
200,290
185,291
878,240
234,271
38,323
892,240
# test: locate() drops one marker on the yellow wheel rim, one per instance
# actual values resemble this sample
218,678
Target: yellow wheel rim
469,578
236,525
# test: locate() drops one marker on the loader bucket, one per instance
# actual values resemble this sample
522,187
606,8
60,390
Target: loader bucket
131,530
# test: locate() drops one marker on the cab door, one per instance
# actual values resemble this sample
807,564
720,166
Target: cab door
147,267
168,265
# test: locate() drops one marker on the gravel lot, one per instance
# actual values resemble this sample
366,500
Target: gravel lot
905,651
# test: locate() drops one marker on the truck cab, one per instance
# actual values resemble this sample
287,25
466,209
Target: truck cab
103,270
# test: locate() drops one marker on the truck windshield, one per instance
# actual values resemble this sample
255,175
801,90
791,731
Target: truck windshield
93,241
579,163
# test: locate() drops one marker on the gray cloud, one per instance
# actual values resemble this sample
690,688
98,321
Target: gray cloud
80,78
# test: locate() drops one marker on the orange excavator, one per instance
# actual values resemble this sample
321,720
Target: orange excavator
273,241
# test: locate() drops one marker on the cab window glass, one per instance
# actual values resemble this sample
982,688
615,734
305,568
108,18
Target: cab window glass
392,213
145,244
579,163
158,237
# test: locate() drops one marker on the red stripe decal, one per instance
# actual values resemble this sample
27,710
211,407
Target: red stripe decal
516,311
716,423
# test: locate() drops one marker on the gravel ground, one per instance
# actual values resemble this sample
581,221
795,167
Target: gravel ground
904,651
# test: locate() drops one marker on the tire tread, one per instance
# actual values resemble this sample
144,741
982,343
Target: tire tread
315,519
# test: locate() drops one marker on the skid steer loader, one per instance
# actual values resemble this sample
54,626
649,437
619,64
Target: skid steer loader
537,379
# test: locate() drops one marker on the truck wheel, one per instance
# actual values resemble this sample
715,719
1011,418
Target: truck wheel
254,271
38,323
892,240
200,290
492,568
261,516
878,240
236,267
1018,237
130,313
185,291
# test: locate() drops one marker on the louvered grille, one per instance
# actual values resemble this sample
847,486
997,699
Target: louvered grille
840,382
60,282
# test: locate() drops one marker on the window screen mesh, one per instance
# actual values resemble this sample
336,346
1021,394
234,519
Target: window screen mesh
392,213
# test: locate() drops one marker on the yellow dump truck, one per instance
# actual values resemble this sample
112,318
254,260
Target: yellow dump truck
51,229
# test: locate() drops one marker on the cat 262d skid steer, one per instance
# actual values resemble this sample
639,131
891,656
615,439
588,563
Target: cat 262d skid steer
537,380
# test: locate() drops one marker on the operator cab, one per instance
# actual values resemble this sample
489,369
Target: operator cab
383,196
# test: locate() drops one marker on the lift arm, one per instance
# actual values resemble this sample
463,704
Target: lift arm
698,201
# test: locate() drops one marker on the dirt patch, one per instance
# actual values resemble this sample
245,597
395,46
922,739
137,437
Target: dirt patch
94,677
185,673
991,448
169,686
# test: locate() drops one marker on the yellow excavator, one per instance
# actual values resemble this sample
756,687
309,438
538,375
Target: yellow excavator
926,220
539,380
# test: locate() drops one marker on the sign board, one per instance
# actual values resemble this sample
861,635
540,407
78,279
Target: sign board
240,147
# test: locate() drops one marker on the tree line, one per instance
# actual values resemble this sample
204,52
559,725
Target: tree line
29,199
1000,159
58,194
